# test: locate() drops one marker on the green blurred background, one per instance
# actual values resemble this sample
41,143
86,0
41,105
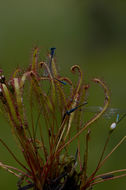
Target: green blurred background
85,32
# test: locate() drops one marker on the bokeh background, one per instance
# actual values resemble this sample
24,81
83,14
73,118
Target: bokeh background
85,32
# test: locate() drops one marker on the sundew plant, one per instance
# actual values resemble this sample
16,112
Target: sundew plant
45,112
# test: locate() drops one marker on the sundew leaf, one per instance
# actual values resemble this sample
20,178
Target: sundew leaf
10,104
39,93
19,99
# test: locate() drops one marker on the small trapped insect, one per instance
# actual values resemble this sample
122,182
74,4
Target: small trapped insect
109,112
29,186
113,125
52,51
107,176
62,82
48,61
21,181
73,109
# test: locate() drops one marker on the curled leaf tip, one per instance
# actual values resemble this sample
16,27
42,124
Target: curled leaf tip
76,67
